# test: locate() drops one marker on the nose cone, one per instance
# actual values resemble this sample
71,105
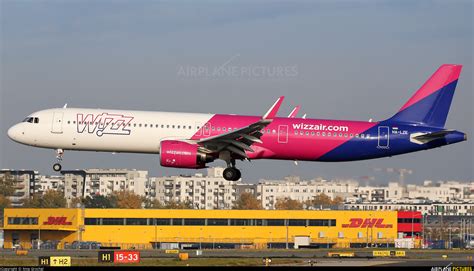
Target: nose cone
14,132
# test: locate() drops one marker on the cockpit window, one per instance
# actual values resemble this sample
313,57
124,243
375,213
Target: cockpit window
31,120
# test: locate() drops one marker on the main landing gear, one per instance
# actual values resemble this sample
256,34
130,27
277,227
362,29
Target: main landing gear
231,173
59,157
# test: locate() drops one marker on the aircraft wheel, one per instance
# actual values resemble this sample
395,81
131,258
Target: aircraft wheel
57,167
239,174
231,173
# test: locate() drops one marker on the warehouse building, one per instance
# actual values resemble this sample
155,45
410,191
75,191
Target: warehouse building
145,228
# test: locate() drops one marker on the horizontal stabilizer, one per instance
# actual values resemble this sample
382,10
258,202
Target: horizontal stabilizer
423,138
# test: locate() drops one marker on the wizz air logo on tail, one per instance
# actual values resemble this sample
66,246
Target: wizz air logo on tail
105,123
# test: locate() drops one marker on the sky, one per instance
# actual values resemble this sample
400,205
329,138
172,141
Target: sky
355,60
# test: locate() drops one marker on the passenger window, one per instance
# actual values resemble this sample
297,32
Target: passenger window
36,120
162,126
145,124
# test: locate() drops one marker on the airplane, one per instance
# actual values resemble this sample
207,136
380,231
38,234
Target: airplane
188,140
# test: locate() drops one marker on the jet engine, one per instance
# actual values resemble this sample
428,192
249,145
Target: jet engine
179,154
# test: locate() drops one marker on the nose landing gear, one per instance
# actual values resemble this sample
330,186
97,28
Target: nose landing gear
59,157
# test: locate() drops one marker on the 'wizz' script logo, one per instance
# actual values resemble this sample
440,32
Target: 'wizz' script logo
105,123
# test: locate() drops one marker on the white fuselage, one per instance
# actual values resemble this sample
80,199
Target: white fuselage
104,130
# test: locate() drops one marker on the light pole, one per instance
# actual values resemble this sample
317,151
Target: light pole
39,235
423,229
271,239
412,218
156,233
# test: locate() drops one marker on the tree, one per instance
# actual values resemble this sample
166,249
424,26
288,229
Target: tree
153,204
53,199
127,200
337,201
172,204
7,185
31,202
50,199
321,199
288,204
99,201
4,202
247,201
76,202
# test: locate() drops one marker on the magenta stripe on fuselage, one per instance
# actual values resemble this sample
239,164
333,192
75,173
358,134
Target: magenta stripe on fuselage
289,138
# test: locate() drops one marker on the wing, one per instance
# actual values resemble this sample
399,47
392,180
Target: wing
240,140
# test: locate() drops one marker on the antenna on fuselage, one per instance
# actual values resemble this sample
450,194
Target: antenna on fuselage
370,120
65,105
304,116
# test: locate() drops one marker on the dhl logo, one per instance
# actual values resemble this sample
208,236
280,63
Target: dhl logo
57,220
366,223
